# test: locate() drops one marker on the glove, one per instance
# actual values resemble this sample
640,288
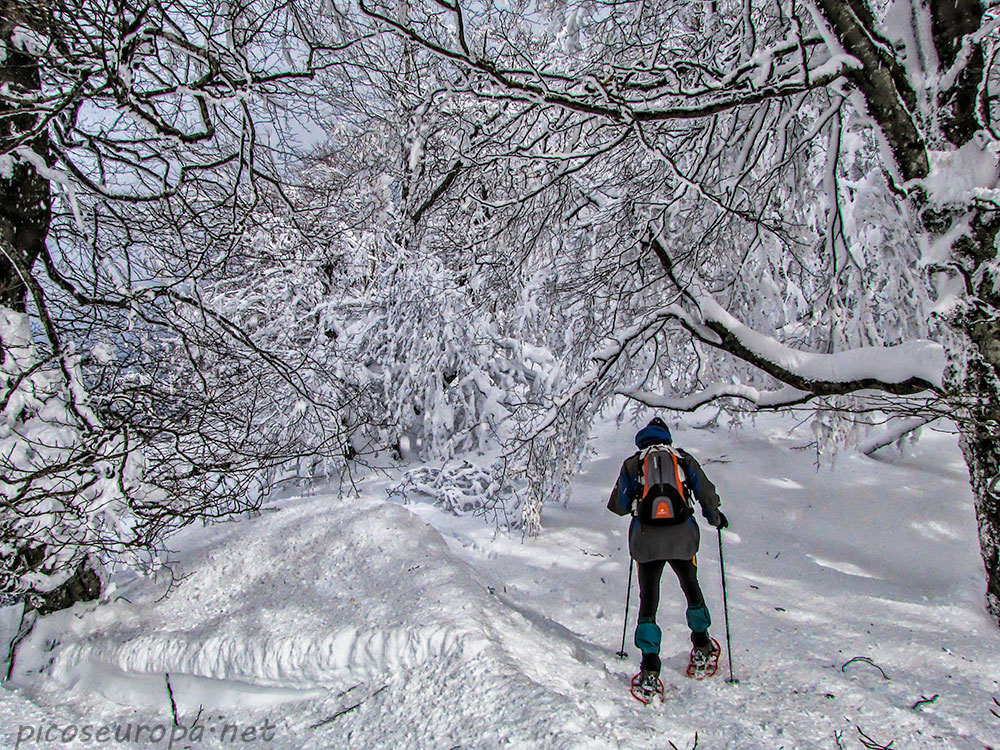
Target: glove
720,521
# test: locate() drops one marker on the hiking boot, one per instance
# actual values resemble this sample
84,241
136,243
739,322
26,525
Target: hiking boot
646,686
649,683
701,655
650,663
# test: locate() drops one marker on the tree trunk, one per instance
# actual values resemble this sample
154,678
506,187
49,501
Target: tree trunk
25,195
953,21
83,586
890,98
982,454
981,432
25,215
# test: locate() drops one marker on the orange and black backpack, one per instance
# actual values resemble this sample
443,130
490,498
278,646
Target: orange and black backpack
664,498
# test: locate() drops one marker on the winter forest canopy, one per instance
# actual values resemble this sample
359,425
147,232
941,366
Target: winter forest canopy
244,243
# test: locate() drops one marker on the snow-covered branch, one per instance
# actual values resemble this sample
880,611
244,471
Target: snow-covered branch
907,368
589,94
893,432
762,399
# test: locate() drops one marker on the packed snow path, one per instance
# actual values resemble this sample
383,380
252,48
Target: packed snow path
360,623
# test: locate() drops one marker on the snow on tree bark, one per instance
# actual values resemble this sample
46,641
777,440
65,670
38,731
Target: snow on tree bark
932,98
130,167
25,200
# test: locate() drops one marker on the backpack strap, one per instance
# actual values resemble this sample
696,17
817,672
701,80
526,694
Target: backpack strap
679,475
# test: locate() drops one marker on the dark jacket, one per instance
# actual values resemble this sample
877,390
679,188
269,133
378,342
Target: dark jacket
647,543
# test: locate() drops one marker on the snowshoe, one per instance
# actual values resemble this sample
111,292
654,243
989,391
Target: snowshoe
645,686
704,660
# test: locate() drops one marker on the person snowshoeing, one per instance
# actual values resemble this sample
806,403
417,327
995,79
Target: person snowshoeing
664,532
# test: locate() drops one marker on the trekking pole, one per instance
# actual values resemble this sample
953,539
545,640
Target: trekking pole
725,605
628,595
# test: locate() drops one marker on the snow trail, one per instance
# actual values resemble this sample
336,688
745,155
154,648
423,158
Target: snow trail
362,623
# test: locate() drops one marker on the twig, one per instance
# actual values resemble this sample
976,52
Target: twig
335,716
342,693
924,699
837,737
173,703
693,747
347,710
871,744
866,660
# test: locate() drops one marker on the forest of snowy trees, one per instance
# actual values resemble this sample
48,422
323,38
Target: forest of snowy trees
248,242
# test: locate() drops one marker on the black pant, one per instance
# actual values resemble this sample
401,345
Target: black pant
649,585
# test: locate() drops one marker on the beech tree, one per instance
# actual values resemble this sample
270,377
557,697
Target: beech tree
139,144
452,356
776,203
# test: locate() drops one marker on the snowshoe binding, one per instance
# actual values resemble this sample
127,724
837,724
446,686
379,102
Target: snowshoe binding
646,686
704,660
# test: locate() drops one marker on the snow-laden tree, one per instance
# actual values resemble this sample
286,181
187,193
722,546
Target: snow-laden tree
447,356
777,202
138,144
66,481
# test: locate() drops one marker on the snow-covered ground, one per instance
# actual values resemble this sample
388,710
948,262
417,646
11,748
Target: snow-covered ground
327,623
